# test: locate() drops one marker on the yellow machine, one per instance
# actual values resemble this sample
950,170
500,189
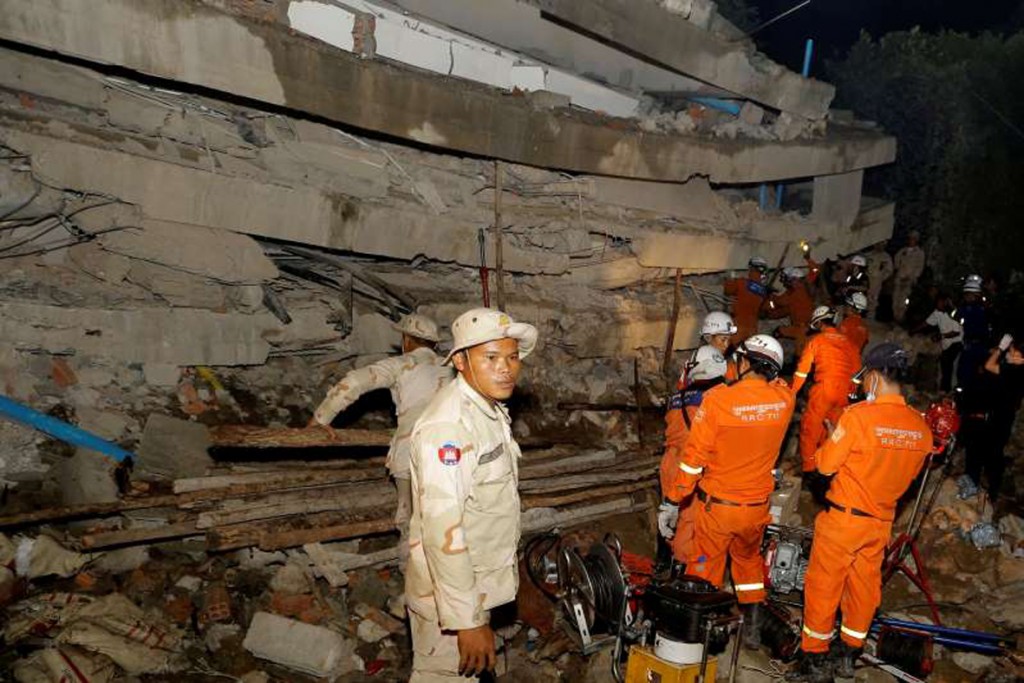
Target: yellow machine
644,666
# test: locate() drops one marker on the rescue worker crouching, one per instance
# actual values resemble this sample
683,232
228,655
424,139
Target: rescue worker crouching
413,378
706,369
730,453
796,303
465,524
875,451
834,361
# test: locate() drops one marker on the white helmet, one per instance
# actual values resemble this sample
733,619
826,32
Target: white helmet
763,348
758,262
793,273
706,363
972,283
858,301
859,260
823,314
716,323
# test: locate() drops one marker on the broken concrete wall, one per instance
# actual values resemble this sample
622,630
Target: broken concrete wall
169,283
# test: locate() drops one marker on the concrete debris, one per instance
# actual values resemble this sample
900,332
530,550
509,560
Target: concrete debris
173,449
323,565
312,650
291,579
121,560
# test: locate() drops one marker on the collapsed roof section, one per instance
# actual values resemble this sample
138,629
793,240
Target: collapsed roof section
375,66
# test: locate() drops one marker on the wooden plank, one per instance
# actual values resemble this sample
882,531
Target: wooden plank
277,480
292,532
168,532
590,494
252,436
304,502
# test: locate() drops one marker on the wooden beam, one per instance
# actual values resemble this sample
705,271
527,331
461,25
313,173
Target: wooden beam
267,62
252,436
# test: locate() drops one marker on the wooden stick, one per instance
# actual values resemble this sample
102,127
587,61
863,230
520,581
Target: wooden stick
167,532
85,511
277,480
251,436
673,321
499,261
300,529
585,495
299,503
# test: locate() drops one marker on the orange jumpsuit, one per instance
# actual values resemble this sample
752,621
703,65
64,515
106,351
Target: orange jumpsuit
746,310
733,445
875,451
855,330
797,304
834,360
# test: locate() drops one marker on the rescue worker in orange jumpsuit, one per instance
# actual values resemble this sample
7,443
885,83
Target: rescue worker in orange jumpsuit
706,369
852,324
834,361
797,304
875,452
749,293
727,465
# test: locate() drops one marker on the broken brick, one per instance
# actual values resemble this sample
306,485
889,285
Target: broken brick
62,373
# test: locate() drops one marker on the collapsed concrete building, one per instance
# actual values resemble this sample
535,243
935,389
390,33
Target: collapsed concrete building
246,185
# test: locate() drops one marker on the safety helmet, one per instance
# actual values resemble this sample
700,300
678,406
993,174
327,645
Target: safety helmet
858,301
716,323
481,325
889,357
972,283
758,263
792,273
943,421
419,326
705,364
823,314
859,261
764,352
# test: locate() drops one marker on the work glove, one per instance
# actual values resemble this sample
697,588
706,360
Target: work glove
1004,343
668,517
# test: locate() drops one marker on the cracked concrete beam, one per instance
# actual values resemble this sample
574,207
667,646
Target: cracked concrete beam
646,29
196,43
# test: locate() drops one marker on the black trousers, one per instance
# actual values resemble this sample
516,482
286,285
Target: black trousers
985,444
946,362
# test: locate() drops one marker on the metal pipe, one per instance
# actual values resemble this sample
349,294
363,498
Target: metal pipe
763,198
808,55
780,190
728,106
942,630
59,429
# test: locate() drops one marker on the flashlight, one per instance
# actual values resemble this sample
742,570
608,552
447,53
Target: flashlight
804,246
906,301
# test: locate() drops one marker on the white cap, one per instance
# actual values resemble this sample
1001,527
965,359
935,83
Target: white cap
859,260
757,262
972,283
823,314
419,326
481,325
706,363
858,301
718,322
763,347
793,272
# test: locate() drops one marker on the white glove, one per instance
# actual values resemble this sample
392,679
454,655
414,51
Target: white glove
668,517
1005,342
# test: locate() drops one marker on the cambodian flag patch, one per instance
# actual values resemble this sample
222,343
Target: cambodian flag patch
449,454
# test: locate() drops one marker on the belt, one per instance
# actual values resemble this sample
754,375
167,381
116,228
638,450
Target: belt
853,511
703,497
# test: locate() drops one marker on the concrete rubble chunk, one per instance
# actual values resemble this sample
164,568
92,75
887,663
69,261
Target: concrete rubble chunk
172,448
313,650
324,566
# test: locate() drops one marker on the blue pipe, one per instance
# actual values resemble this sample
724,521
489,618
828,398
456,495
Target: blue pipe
808,54
780,190
764,196
974,645
59,429
728,106
942,630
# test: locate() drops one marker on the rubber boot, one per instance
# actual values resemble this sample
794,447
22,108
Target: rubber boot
814,667
844,658
753,620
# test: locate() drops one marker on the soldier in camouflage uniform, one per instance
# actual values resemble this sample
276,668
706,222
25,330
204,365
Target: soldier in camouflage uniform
413,379
465,523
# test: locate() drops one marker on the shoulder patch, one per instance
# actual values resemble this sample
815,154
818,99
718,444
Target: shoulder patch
449,453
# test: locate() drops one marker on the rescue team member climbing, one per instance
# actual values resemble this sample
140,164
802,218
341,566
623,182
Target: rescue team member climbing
732,448
465,523
834,360
875,452
796,303
705,369
413,379
852,324
749,293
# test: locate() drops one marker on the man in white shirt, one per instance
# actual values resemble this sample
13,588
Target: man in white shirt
951,337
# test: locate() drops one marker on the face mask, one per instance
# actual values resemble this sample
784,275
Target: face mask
871,394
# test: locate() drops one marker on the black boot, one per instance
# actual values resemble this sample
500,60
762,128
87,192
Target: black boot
814,667
844,658
753,620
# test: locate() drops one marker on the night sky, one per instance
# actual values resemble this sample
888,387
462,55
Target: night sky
836,24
